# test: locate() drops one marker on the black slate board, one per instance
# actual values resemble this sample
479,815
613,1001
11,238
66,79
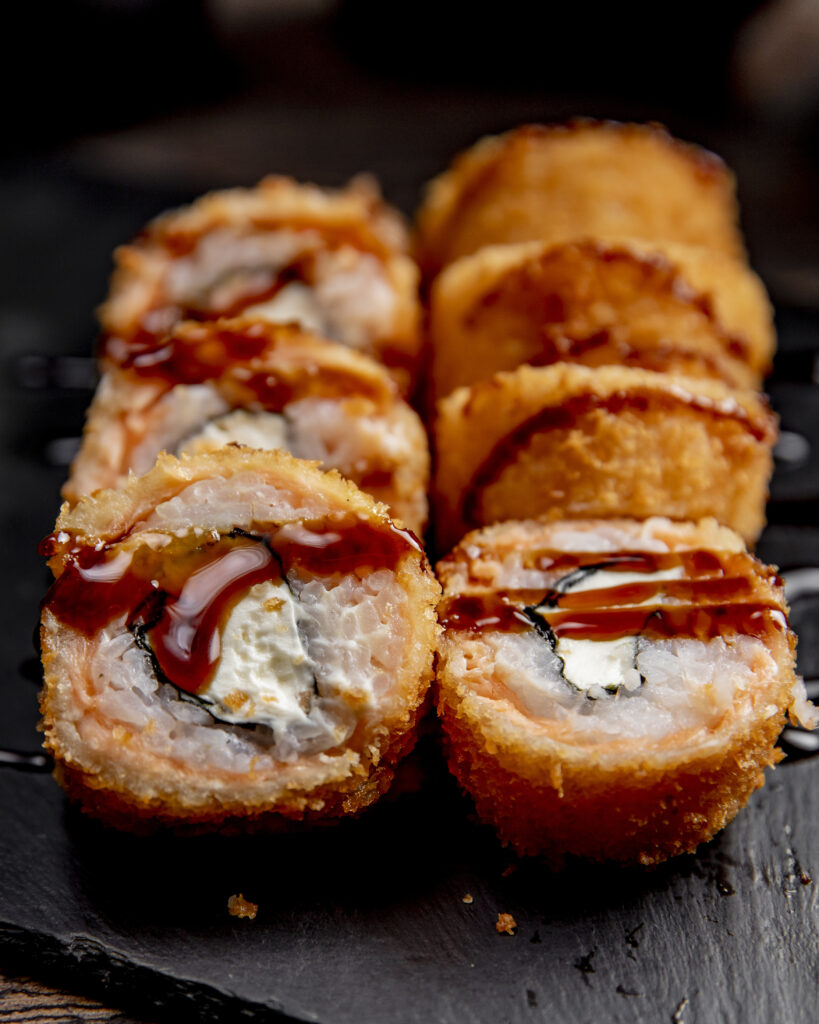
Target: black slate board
365,922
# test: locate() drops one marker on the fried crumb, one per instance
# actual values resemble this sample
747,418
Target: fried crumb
238,906
505,924
234,700
273,604
466,898
510,869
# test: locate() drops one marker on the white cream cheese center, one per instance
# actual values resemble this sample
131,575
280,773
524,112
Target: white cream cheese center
264,674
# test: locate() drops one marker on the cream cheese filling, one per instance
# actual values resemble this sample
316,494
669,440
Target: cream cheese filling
264,674
596,667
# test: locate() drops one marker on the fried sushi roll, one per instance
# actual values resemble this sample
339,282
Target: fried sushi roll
264,386
335,262
612,689
569,441
598,179
233,638
671,308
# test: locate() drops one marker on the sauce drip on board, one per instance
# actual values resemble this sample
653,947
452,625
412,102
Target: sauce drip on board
180,597
567,415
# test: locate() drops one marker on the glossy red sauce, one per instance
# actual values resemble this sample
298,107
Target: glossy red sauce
186,638
724,595
567,415
694,563
199,354
142,338
181,599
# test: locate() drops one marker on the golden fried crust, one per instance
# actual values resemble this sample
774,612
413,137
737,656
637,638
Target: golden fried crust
626,801
672,308
111,769
642,813
558,182
324,804
568,441
289,365
111,514
355,216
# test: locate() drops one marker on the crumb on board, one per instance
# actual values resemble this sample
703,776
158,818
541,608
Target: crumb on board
238,906
505,924
466,898
509,870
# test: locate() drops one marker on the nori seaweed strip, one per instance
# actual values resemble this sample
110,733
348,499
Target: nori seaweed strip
140,624
551,599
265,540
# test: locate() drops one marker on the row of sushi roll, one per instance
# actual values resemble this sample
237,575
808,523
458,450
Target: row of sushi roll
236,636
615,666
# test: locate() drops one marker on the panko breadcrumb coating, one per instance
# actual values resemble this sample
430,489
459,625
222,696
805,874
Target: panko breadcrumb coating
672,308
567,441
594,179
333,260
262,385
233,640
609,688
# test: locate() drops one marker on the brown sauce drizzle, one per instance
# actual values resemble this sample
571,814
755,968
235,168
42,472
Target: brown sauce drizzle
607,350
723,596
474,613
182,598
142,339
695,563
566,416
213,351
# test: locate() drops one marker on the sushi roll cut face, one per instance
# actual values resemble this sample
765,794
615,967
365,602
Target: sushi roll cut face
264,386
597,179
568,441
335,262
611,688
234,637
673,308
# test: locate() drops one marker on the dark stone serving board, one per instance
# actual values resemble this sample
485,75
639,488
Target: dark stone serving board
366,921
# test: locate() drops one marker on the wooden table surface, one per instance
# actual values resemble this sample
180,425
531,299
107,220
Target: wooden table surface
24,999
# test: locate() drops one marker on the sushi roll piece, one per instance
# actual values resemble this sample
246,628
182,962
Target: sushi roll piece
598,179
264,386
236,637
568,441
334,261
612,689
671,308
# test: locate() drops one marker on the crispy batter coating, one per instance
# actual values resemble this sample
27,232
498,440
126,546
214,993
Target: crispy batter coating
672,308
141,778
550,791
148,295
567,441
375,438
585,178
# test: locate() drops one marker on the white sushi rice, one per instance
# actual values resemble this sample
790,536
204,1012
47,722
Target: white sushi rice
265,430
194,419
689,684
352,635
630,688
351,299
